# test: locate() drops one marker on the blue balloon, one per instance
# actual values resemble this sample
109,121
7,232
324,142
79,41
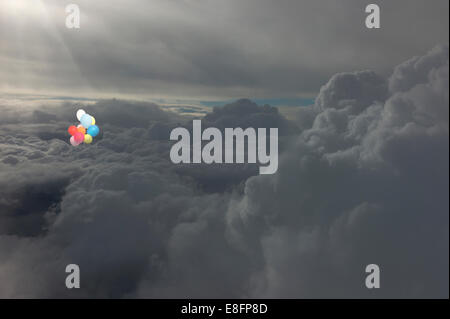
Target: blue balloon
86,120
93,130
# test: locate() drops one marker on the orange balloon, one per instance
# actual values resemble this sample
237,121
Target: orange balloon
81,129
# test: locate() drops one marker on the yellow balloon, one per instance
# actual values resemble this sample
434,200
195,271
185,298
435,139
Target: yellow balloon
87,139
93,120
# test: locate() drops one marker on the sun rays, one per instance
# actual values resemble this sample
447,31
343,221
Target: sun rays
31,66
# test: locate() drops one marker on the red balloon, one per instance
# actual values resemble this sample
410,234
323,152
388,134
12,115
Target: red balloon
72,130
78,137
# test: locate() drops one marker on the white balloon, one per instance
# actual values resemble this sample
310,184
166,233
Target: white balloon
80,113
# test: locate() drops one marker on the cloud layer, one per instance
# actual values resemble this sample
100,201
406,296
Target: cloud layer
362,178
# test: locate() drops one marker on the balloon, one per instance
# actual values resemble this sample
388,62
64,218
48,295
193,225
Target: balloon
72,130
80,113
81,129
73,142
93,130
86,120
88,139
78,137
86,131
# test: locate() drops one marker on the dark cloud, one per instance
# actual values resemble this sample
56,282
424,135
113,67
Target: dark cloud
245,113
361,187
362,178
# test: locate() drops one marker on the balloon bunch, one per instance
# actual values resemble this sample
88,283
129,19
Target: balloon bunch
85,131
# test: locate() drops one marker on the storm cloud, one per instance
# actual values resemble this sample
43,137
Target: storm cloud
362,178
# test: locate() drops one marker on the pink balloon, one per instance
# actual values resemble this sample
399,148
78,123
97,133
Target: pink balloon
73,142
78,137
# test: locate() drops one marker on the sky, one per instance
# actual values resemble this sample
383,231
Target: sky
200,50
363,167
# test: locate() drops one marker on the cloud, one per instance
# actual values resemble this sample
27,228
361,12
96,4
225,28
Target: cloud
362,185
207,50
363,179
